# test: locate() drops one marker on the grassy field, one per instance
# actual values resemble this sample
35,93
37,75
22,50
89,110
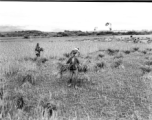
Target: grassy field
116,84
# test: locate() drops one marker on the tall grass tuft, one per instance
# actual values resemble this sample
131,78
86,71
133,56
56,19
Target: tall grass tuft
149,63
62,68
100,65
67,55
82,68
101,55
127,51
111,51
117,63
134,49
118,56
145,69
144,52
149,49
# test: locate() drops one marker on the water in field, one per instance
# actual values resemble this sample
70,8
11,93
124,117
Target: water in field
56,47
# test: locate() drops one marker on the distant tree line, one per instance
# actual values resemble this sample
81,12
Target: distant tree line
35,33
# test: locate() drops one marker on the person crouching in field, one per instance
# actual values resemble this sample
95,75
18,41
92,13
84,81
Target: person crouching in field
38,50
73,63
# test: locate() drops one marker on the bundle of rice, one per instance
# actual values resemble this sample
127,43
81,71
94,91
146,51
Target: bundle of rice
127,51
67,55
146,69
98,66
117,63
82,68
62,68
112,51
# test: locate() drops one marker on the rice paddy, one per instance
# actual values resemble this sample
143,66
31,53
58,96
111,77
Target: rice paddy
114,80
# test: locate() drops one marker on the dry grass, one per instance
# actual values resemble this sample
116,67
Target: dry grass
118,56
149,62
144,51
101,55
83,68
134,49
111,51
145,69
101,91
99,66
116,63
149,49
67,55
126,51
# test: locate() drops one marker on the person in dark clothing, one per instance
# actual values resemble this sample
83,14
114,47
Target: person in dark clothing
38,50
73,63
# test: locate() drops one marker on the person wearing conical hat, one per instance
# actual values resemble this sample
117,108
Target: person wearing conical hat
75,51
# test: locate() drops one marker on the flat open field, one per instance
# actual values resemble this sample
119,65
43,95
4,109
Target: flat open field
114,83
16,48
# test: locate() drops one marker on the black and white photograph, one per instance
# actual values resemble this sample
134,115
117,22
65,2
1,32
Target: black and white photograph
75,60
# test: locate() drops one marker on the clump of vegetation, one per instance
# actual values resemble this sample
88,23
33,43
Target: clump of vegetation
145,69
149,49
88,57
29,59
135,49
149,63
53,57
43,60
118,56
62,68
67,55
111,51
82,68
61,59
101,55
28,78
126,51
26,37
116,63
147,57
144,52
35,59
12,71
99,66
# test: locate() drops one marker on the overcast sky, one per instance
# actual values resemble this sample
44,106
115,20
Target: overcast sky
85,16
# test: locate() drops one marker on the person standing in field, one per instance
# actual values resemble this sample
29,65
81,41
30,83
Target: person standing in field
38,50
73,63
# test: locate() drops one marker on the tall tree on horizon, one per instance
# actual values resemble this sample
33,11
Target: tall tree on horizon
95,28
110,25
